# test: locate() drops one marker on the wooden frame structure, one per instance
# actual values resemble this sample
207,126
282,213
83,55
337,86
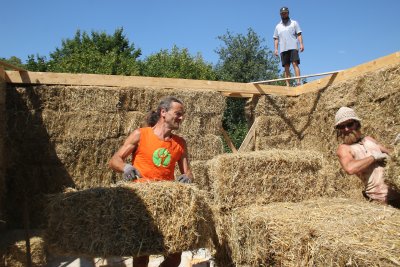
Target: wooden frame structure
231,89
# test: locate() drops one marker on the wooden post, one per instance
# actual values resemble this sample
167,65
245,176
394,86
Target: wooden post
250,138
228,140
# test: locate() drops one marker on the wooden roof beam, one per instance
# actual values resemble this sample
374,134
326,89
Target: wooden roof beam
226,88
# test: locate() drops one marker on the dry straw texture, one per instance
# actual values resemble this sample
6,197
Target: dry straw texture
324,232
15,255
129,220
393,168
306,121
199,170
64,136
263,177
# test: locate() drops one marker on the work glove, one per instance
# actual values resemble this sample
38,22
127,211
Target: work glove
379,156
130,173
184,179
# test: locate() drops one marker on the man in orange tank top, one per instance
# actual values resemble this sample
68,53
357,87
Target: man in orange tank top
155,151
364,157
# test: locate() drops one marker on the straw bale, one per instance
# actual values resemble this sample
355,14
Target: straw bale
321,232
129,220
203,147
263,177
87,161
82,125
242,179
199,102
270,105
201,125
69,98
15,255
131,121
392,175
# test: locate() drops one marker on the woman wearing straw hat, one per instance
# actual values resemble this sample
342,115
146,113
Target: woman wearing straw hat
363,156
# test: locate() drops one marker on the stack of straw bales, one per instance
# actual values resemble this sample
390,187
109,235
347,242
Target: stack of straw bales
321,232
307,121
129,220
15,254
263,177
64,136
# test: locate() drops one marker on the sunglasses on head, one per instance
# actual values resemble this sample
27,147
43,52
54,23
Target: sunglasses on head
347,125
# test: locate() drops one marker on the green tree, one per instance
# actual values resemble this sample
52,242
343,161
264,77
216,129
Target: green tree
243,58
15,61
177,63
38,64
98,53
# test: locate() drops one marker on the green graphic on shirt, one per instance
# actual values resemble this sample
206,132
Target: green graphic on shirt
161,157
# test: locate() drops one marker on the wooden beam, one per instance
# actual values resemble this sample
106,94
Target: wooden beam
383,62
228,88
297,77
228,140
250,137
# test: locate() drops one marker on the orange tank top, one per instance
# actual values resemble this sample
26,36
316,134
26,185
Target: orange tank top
154,158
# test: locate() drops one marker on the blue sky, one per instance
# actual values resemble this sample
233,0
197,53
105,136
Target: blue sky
337,34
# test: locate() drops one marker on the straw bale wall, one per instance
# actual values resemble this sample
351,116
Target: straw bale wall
275,175
131,219
321,232
307,121
63,136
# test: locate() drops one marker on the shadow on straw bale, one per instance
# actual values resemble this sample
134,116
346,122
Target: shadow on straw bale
307,120
64,136
129,220
15,253
321,232
33,168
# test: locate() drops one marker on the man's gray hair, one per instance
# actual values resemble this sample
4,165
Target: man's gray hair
165,103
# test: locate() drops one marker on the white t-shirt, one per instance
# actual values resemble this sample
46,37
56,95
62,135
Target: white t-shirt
287,35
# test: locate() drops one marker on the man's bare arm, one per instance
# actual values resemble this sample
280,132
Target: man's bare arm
184,164
117,161
349,164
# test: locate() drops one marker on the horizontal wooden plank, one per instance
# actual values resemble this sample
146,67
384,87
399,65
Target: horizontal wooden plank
231,89
50,78
383,62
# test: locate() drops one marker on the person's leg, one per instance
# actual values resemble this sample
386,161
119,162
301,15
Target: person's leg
285,59
295,60
171,260
296,71
287,74
141,261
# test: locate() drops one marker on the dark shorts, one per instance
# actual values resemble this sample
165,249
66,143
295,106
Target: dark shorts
290,56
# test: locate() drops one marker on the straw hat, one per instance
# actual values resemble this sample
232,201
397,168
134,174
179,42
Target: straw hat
344,114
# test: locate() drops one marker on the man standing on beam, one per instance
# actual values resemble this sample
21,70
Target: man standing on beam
286,34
